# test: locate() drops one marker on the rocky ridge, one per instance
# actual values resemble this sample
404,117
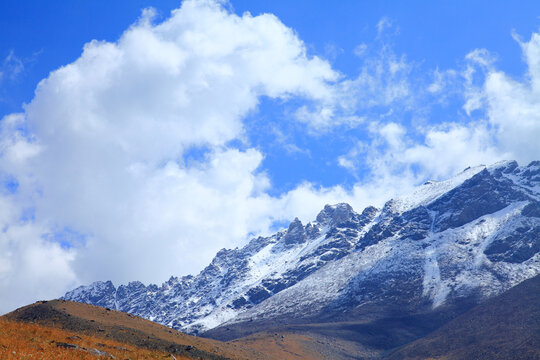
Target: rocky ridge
464,239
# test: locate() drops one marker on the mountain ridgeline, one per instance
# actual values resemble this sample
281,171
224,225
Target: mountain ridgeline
440,250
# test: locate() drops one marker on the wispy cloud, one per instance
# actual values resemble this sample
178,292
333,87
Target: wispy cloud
383,83
502,122
11,67
385,24
360,50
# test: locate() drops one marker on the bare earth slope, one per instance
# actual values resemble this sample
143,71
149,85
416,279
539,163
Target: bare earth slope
89,320
19,340
358,339
505,327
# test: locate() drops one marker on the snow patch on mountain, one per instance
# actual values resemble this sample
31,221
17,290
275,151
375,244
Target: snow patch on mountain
432,190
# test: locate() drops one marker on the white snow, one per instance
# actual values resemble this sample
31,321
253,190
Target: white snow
432,190
464,248
322,286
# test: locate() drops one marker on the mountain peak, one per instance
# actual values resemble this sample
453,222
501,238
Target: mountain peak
295,233
335,214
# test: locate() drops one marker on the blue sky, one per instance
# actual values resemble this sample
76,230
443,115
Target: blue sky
164,137
431,34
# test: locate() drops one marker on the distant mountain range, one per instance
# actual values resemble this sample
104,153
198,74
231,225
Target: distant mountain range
428,256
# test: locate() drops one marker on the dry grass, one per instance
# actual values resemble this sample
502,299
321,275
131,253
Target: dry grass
88,321
302,343
33,341
283,346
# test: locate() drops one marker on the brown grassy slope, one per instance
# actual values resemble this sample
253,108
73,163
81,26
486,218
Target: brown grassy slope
295,344
367,339
32,341
504,327
361,338
90,320
282,346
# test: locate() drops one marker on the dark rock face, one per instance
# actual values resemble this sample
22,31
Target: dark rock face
531,174
343,215
239,303
332,215
295,233
480,195
456,246
399,288
416,223
312,231
504,327
532,209
520,245
258,294
387,227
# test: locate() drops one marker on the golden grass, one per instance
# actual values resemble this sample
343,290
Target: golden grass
283,346
32,341
101,323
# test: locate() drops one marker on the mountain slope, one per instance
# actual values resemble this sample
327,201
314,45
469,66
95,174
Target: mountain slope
504,327
448,245
20,340
97,322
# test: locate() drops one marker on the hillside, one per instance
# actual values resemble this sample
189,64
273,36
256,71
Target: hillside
63,329
504,327
96,322
20,340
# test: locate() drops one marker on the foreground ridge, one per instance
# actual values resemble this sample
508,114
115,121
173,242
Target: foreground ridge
90,328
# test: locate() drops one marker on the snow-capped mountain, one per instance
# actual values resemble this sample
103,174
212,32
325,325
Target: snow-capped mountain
464,239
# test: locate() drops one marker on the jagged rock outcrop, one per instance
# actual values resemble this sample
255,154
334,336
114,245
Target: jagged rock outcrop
296,234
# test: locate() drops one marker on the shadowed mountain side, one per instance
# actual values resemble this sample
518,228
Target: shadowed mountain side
126,328
364,338
504,327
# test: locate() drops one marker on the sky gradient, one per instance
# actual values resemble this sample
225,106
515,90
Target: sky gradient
138,138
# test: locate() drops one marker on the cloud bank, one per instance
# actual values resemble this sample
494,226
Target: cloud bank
101,149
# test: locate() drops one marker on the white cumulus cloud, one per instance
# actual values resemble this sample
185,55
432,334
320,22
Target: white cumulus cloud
101,150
